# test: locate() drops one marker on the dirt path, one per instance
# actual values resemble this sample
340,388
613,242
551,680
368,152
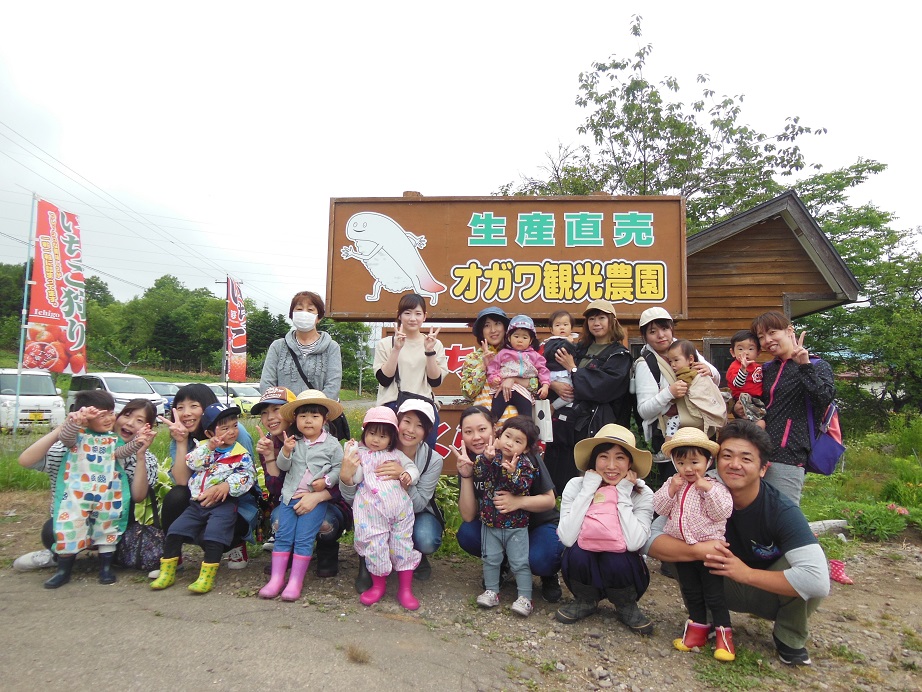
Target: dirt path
866,637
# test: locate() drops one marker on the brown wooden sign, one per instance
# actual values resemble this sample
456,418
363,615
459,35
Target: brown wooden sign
528,255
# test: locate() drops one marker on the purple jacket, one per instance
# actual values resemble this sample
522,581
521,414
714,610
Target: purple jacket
511,363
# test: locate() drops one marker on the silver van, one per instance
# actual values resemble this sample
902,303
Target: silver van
40,402
122,386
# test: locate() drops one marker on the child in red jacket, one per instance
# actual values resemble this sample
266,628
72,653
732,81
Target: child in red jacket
744,376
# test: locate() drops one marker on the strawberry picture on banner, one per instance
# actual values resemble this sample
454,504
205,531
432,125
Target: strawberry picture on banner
56,331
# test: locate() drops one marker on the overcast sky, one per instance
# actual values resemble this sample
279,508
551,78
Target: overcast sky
205,138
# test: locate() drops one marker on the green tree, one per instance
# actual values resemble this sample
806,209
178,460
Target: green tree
646,141
98,290
12,281
262,329
352,338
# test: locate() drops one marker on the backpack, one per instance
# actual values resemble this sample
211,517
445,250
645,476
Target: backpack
826,447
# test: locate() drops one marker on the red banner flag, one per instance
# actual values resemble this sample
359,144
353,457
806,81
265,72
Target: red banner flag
57,315
236,352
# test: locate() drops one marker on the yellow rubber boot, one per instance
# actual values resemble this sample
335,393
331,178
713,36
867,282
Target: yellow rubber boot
167,573
206,578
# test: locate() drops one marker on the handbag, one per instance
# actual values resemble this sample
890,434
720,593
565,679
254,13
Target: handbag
541,414
141,546
826,448
339,427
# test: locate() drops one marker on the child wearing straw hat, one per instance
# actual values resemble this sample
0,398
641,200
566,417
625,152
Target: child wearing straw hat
312,459
697,508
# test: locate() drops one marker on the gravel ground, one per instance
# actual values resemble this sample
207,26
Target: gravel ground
864,637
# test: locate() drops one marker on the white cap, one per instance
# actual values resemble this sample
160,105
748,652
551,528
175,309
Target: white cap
420,406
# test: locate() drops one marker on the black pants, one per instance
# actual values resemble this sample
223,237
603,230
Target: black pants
521,402
702,591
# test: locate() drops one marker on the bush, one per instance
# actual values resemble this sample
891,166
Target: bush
878,522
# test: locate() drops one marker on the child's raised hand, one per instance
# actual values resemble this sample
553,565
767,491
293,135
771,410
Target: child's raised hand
78,417
744,360
675,484
703,484
543,392
288,444
510,464
215,441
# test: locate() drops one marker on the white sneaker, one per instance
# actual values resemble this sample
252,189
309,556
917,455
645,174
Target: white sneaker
37,559
237,557
269,545
488,599
522,606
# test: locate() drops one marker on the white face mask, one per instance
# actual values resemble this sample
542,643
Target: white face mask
303,321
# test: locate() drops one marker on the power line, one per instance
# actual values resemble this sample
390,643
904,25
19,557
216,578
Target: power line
139,217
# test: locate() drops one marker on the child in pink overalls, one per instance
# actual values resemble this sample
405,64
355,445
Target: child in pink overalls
382,509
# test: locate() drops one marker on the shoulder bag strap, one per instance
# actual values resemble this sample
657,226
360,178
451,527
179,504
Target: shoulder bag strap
294,357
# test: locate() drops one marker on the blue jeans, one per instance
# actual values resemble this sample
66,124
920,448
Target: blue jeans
298,532
544,548
334,519
427,533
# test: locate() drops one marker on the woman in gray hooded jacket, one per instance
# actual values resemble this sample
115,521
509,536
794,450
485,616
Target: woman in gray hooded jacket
315,351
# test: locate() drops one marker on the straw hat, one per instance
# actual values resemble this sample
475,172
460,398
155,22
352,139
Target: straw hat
620,436
691,437
312,396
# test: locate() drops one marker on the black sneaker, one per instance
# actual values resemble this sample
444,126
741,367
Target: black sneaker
423,571
550,589
791,657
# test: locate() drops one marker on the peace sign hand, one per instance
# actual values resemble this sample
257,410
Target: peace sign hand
464,461
177,430
801,355
430,338
288,444
400,337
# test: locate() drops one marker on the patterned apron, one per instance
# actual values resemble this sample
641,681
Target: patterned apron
90,508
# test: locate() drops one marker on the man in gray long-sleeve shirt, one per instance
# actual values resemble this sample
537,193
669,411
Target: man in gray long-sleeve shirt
773,564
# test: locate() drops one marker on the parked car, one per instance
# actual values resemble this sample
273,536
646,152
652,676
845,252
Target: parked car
40,402
220,392
167,390
122,386
244,396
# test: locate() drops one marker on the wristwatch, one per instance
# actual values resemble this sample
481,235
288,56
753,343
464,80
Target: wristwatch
573,370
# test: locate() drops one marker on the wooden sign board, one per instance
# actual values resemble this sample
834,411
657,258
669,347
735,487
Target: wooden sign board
528,255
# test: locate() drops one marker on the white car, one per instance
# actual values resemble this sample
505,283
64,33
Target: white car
40,402
122,386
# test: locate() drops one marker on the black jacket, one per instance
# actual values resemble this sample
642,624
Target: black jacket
785,388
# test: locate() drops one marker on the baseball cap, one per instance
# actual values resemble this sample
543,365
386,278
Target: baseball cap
272,396
215,413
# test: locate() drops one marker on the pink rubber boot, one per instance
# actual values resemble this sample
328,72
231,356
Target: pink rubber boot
277,578
405,595
299,564
376,592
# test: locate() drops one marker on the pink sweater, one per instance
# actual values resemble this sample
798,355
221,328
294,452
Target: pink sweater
511,363
693,516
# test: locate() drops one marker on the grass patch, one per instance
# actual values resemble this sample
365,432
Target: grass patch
356,654
911,640
748,671
843,653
